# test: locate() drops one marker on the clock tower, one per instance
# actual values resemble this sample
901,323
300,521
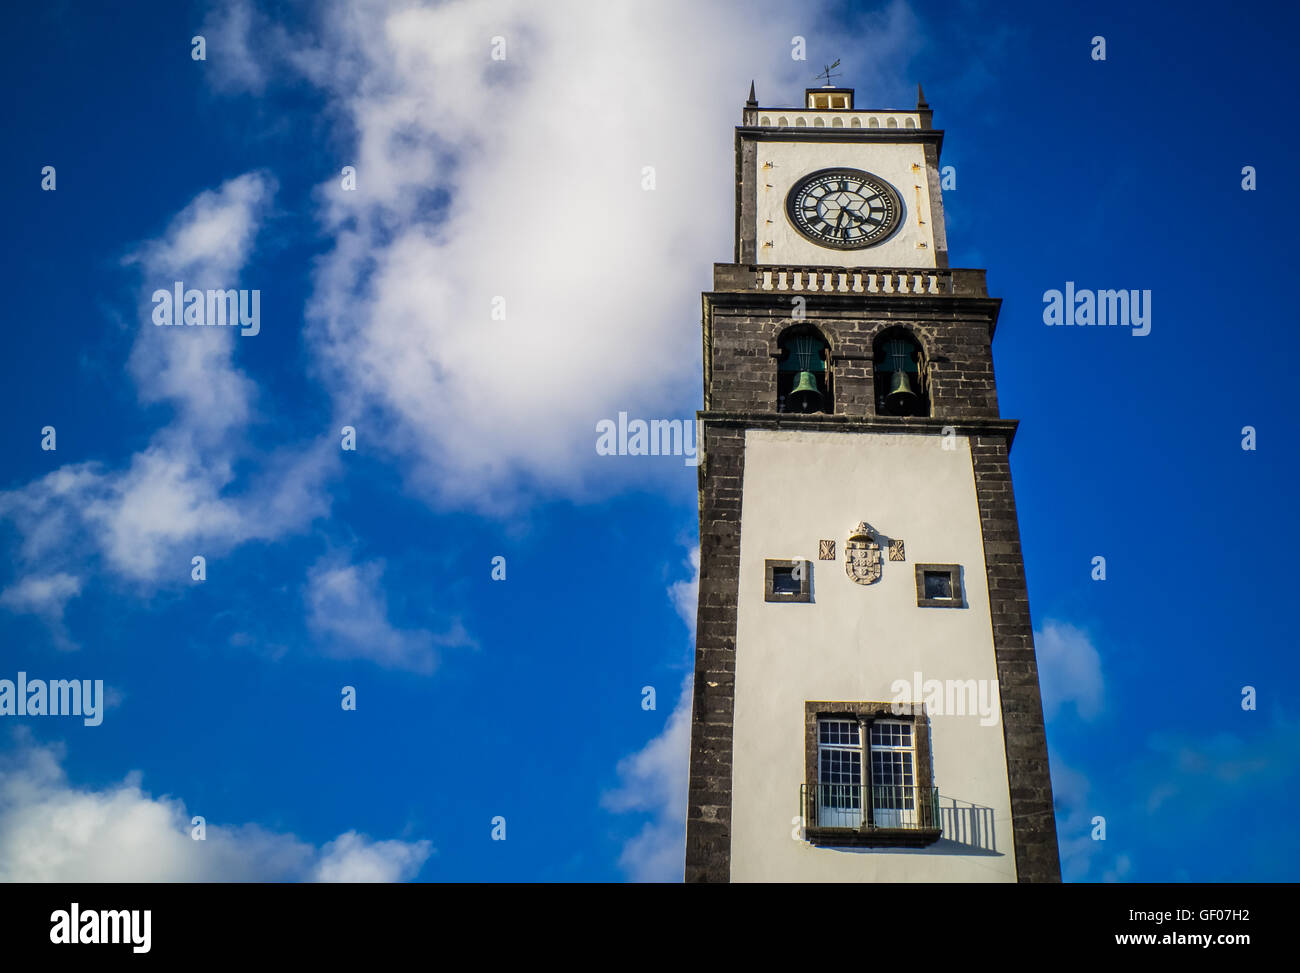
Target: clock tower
866,703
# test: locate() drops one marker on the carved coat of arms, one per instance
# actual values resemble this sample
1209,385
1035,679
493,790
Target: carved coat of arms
862,556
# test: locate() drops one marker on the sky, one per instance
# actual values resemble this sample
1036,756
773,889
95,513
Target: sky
511,610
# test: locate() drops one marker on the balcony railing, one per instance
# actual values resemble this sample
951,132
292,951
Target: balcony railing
832,118
870,814
889,282
853,281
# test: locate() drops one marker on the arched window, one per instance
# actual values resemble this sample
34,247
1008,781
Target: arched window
803,377
901,379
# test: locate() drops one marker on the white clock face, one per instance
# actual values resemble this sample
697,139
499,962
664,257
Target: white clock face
846,209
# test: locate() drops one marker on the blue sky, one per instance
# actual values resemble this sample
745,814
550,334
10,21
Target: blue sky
522,179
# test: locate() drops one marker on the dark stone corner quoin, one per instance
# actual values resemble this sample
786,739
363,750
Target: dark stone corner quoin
951,316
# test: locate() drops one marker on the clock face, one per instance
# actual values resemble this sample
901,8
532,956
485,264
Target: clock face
846,209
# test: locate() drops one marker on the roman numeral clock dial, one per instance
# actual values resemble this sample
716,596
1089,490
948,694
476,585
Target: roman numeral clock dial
846,209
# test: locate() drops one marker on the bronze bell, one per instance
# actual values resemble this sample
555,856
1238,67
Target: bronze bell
902,398
805,396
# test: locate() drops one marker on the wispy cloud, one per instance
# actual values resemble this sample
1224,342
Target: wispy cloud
230,29
179,496
654,780
206,245
685,594
1085,858
45,597
347,612
1069,668
1202,773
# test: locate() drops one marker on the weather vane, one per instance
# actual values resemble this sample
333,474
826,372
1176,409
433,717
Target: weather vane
826,71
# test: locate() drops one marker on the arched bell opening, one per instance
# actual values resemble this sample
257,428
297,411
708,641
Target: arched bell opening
902,379
803,375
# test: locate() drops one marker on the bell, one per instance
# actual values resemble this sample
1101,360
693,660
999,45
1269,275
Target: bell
902,398
805,396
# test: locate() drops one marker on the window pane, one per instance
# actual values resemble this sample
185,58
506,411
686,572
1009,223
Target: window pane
893,783
840,796
783,581
841,778
938,584
838,732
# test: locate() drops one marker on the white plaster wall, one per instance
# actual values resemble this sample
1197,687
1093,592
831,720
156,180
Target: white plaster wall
891,161
853,641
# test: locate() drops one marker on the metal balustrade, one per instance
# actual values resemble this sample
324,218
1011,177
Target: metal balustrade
862,807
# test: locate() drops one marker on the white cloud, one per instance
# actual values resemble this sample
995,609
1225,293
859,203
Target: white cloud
685,595
1069,668
169,504
347,611
179,496
522,178
655,779
45,597
48,511
51,831
172,503
228,32
41,595
35,594
206,245
355,858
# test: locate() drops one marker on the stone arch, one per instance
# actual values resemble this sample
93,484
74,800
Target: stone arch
805,382
901,370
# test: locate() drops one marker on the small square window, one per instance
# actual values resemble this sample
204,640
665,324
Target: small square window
939,586
789,581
